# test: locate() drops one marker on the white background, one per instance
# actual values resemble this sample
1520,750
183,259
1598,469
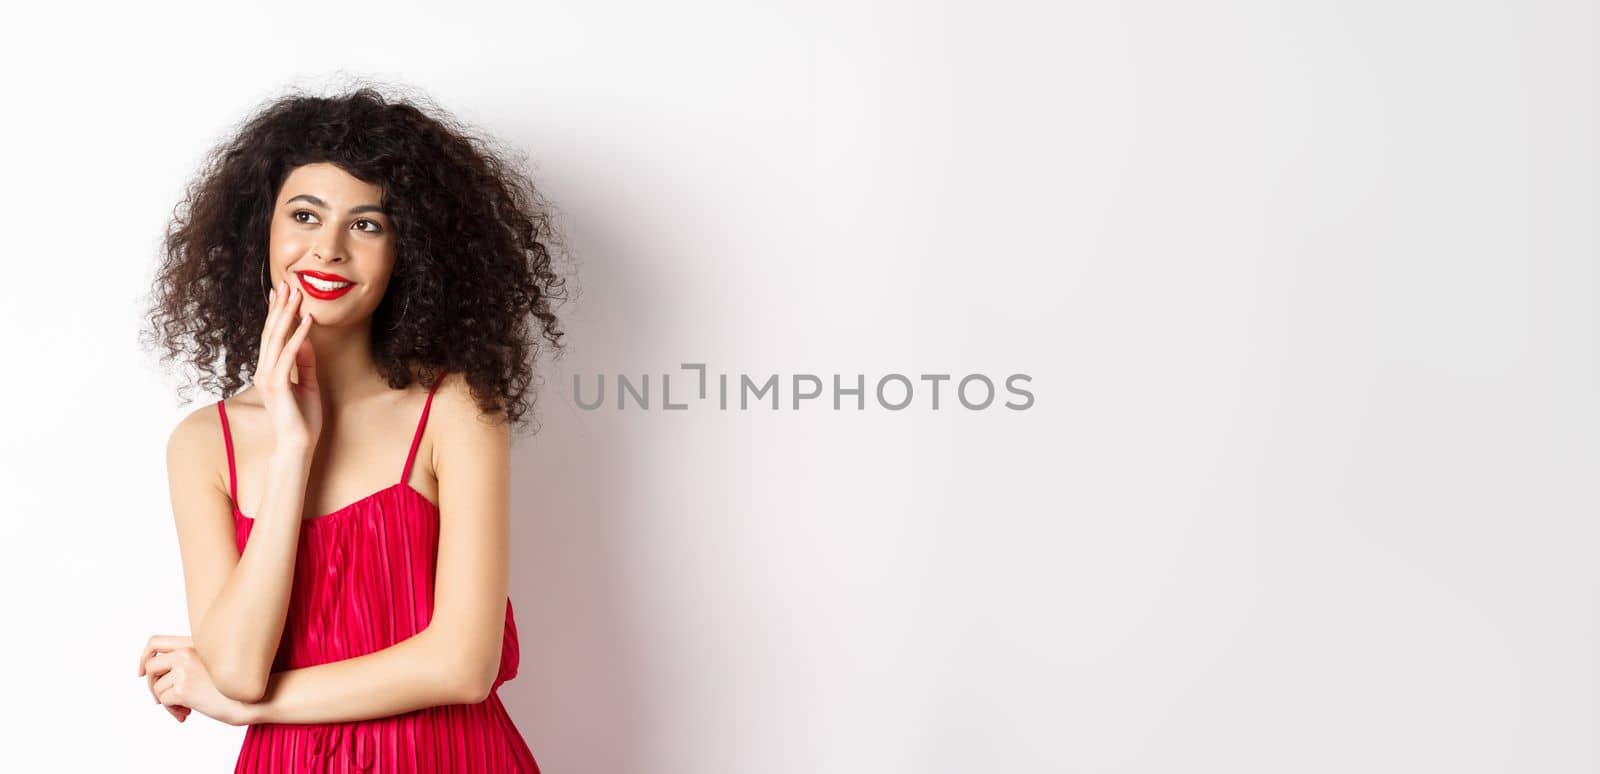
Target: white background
1306,291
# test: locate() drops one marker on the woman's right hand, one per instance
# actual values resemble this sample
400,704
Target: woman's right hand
294,410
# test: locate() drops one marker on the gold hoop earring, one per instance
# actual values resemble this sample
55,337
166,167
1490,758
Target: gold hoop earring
403,307
263,281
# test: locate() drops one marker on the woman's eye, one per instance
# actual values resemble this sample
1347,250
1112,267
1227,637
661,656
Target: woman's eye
295,216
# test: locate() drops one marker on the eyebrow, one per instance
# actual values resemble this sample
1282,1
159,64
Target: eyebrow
356,210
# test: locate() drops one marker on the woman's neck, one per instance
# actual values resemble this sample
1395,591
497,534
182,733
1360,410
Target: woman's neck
346,369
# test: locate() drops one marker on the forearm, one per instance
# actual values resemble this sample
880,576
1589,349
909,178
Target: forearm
239,635
412,674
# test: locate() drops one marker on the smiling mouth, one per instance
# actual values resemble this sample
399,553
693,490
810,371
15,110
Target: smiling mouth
323,289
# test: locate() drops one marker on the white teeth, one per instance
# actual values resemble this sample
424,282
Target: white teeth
324,284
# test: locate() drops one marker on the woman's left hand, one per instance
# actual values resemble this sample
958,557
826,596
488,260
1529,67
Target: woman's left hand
178,679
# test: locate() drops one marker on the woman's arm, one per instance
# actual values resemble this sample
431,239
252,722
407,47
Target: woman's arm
415,673
455,659
237,604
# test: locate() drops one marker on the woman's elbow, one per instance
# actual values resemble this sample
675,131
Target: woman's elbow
474,682
474,678
469,668
240,685
232,675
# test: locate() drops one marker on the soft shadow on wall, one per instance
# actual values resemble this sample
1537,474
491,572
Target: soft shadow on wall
577,691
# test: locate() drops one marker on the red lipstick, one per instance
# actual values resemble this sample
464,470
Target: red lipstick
324,293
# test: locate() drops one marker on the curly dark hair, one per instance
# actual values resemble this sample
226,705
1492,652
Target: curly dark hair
474,241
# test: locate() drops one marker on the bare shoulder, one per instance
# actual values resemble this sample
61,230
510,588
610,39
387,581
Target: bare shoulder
201,428
195,429
454,404
460,428
195,444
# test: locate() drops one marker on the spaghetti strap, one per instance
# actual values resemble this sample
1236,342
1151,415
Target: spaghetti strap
405,475
227,440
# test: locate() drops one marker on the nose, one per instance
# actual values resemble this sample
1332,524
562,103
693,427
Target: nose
329,244
327,252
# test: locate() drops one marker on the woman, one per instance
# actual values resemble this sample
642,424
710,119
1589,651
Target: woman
371,268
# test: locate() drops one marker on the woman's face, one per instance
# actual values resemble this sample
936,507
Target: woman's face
327,229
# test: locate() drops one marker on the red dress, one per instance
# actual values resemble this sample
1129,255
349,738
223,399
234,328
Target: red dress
363,580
